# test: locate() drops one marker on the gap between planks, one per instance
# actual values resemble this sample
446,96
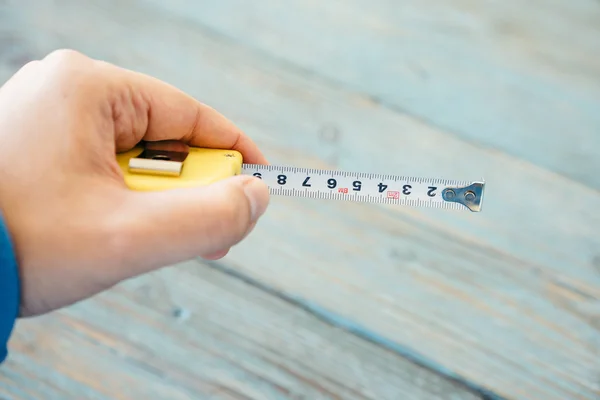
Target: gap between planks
357,330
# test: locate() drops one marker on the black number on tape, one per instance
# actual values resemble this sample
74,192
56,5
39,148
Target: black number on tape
382,187
305,183
406,189
431,191
331,183
356,185
281,179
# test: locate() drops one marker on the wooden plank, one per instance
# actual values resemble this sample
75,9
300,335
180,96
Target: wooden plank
507,299
516,76
194,332
294,114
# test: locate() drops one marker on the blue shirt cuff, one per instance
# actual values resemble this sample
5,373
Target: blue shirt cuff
9,289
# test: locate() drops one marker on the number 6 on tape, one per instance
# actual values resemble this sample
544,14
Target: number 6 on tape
171,164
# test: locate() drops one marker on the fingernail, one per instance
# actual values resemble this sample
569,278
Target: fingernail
257,193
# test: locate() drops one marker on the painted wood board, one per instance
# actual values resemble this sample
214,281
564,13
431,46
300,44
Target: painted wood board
193,332
507,299
522,77
282,107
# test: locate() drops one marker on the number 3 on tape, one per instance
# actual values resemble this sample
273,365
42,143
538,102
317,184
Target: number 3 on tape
171,164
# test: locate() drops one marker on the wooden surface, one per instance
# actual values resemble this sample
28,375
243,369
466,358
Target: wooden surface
340,300
493,73
208,336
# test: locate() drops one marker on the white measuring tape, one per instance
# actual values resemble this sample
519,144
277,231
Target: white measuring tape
371,188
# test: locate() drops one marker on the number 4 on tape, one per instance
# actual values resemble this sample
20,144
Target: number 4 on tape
172,164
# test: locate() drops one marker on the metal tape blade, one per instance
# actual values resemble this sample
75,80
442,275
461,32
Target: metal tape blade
369,187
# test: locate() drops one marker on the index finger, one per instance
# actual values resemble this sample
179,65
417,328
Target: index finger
155,110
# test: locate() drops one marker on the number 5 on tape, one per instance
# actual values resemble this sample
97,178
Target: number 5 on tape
169,164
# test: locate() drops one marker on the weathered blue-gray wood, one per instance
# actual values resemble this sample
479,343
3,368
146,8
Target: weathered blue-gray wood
517,76
506,300
192,332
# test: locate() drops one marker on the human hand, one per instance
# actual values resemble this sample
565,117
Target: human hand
77,230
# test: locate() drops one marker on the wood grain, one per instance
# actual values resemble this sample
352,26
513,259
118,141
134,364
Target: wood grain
507,299
192,332
519,77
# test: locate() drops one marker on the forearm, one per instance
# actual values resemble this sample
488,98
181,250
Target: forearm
9,288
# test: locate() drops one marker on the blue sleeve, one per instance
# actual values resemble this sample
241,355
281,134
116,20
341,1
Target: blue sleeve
9,289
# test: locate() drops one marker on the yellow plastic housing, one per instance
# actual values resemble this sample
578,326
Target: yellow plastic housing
201,167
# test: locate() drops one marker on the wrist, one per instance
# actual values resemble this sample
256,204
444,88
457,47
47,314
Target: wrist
9,287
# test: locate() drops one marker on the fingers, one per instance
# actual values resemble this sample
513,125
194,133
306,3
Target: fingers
154,110
143,107
163,228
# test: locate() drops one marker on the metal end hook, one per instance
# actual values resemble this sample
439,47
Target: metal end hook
470,196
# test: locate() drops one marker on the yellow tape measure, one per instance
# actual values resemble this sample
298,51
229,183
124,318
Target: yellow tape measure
168,165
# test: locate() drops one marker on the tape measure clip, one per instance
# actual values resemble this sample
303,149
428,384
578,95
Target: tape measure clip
469,196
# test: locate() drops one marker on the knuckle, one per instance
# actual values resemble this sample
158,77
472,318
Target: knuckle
70,71
67,64
65,56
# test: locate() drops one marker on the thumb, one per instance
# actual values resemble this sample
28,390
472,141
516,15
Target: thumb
167,227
